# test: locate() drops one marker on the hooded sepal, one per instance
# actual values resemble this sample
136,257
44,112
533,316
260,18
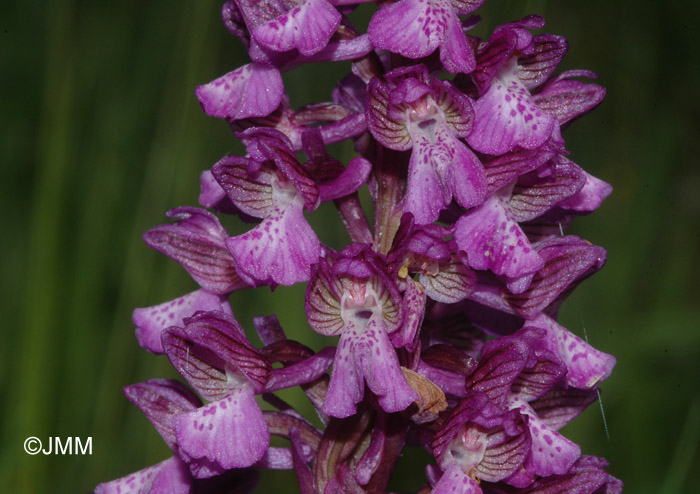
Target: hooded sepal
568,99
540,190
567,261
162,400
213,354
196,241
585,365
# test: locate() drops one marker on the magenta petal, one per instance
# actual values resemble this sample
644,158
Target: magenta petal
455,53
414,299
254,90
151,321
302,372
161,400
427,194
196,241
228,433
586,366
468,184
412,28
354,177
551,452
346,386
169,476
589,197
493,240
308,28
455,481
506,117
366,353
279,250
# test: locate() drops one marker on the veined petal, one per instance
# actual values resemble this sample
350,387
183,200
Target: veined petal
196,241
566,262
307,27
151,321
322,301
249,192
228,433
560,406
385,125
279,250
506,117
535,69
254,90
169,476
161,400
503,170
455,481
567,99
538,191
586,366
452,283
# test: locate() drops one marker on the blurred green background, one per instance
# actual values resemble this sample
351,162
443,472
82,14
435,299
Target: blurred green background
101,134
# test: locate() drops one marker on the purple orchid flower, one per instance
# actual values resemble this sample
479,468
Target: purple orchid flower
479,440
416,28
273,186
408,110
212,353
350,295
509,66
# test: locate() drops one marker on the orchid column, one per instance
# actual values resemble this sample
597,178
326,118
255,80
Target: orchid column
441,314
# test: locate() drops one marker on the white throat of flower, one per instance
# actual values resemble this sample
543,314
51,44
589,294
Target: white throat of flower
467,449
359,303
284,194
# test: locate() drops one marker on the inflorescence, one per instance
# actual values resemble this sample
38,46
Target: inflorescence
445,308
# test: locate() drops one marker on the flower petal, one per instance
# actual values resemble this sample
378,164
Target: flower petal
161,400
307,27
412,28
169,476
196,241
506,117
586,366
253,90
151,321
280,250
493,240
228,433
